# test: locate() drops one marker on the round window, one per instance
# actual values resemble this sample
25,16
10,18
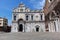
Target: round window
50,1
36,16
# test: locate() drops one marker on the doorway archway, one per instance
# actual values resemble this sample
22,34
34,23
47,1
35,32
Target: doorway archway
37,28
20,28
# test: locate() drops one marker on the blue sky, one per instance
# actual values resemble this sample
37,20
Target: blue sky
6,7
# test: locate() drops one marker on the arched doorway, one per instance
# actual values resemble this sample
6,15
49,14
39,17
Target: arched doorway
20,28
20,25
37,28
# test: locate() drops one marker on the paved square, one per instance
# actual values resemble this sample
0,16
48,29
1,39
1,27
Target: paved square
30,36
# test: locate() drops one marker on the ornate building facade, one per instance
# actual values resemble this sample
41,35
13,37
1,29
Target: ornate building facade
52,15
26,20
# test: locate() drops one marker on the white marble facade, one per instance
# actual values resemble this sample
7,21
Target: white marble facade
26,20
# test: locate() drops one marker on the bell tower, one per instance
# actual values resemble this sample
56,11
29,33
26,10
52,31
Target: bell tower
46,7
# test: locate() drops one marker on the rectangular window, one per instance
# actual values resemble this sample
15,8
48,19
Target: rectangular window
26,17
32,17
41,17
14,17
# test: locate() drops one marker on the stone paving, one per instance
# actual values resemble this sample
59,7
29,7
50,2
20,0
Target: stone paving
30,36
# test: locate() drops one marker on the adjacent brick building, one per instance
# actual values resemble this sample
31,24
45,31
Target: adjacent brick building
52,18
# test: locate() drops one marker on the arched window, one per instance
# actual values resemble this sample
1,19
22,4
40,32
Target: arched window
41,17
14,17
26,17
21,10
32,17
50,0
55,25
52,15
57,13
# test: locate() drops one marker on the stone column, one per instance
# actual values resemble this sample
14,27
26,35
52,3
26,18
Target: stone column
49,27
23,27
56,25
43,17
